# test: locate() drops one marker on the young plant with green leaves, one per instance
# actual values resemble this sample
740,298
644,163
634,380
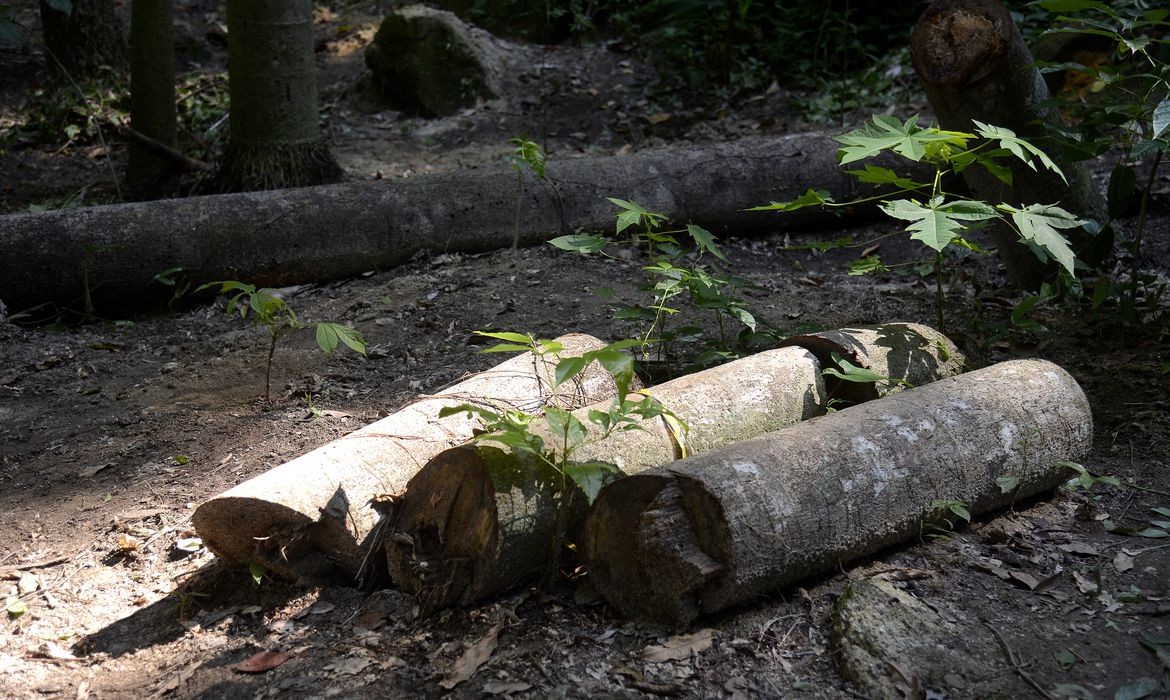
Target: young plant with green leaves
678,273
525,154
935,216
554,436
268,309
1124,111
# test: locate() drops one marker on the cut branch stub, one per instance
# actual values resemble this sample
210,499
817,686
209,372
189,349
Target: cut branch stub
312,515
763,514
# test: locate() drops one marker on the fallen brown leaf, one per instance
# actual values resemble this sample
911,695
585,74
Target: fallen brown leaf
261,661
475,656
682,646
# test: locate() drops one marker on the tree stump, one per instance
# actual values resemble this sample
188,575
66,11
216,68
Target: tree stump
974,65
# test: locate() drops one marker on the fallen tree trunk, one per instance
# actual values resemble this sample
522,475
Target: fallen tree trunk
477,519
974,65
311,516
723,527
285,237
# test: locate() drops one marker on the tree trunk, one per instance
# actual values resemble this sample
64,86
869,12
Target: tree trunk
272,81
313,515
84,41
974,65
152,93
721,528
477,520
292,236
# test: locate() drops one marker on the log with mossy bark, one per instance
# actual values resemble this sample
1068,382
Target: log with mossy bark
724,527
312,516
479,519
974,65
283,237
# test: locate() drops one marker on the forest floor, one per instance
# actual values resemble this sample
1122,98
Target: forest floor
113,431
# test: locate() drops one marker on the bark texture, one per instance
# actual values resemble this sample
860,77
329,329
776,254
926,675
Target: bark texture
85,41
313,515
477,520
720,528
315,234
152,93
272,80
974,65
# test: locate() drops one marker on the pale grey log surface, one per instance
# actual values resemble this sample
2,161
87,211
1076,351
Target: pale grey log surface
804,500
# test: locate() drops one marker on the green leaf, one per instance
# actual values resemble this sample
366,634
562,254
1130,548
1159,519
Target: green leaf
257,572
1122,183
182,460
589,477
1072,691
937,224
886,133
1136,690
10,32
1073,5
632,214
706,241
878,175
1162,511
620,365
579,243
329,333
1020,148
570,367
1152,533
1038,224
852,373
866,265
65,6
1007,483
743,316
15,606
566,427
508,337
959,509
1065,659
1161,118
810,198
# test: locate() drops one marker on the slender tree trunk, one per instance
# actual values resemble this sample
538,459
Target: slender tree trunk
272,78
85,40
152,92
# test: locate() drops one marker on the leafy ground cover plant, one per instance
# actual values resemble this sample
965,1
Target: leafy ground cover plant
678,273
513,429
269,310
1124,109
936,217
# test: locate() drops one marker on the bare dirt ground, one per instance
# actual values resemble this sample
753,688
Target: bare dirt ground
111,432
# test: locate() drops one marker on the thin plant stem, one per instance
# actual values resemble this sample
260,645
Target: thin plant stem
938,287
1137,236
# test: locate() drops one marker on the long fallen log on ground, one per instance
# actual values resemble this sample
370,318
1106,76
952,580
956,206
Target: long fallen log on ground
312,515
720,528
477,519
277,238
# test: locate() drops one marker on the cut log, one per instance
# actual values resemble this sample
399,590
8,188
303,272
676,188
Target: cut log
312,515
973,63
721,528
907,354
477,520
284,237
